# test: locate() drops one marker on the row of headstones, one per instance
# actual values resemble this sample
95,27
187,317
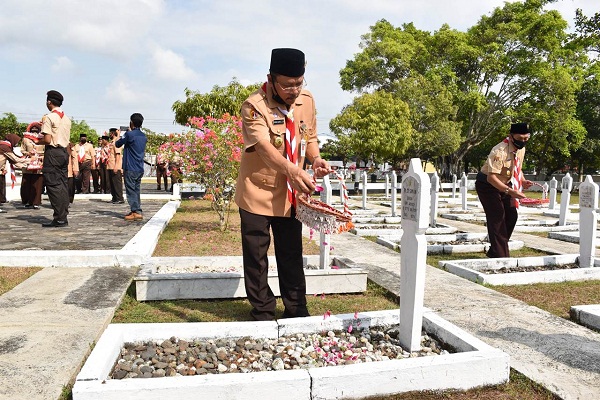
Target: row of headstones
417,190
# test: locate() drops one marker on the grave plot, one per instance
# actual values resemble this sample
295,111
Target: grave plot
396,230
177,278
470,362
523,271
572,237
543,225
587,315
467,216
451,243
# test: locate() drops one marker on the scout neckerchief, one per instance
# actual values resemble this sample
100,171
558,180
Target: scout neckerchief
13,175
290,147
104,154
517,175
81,155
58,112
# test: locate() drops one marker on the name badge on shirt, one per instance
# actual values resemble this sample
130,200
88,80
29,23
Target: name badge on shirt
303,148
278,121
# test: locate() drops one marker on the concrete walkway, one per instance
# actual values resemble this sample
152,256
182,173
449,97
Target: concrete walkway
51,321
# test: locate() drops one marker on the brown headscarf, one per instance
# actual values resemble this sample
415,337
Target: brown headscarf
12,139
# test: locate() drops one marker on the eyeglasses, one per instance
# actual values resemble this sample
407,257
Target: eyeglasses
291,89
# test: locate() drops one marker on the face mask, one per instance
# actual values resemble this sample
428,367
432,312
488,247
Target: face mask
519,144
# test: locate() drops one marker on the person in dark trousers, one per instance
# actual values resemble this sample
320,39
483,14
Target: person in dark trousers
56,128
279,128
134,148
499,185
115,171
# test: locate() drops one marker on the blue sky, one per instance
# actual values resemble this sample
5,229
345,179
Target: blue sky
111,58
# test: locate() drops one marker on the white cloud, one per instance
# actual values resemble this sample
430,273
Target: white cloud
122,91
62,64
168,65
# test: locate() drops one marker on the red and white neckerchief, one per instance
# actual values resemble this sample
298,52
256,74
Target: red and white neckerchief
291,147
81,154
13,175
517,175
58,112
104,153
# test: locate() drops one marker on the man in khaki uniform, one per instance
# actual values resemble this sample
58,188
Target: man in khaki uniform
115,168
280,131
86,154
56,128
32,178
499,186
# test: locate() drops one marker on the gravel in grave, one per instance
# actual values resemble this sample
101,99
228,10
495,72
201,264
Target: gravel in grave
535,268
459,242
178,357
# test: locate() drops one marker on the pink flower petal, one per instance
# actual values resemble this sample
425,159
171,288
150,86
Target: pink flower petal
350,329
335,267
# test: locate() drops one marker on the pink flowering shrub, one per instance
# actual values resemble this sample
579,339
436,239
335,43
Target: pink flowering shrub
209,154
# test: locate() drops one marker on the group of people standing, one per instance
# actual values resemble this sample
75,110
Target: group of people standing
49,160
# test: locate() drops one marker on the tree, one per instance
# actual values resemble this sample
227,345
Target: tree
10,124
376,125
155,140
81,127
587,157
220,100
501,69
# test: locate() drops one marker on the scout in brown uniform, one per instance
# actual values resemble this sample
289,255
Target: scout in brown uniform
72,171
103,164
7,147
270,174
56,128
32,181
115,168
498,187
86,154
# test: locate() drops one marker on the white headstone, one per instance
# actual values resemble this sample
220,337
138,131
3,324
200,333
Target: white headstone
177,191
565,199
553,185
394,193
463,190
453,186
387,186
364,191
324,248
343,194
413,256
588,222
357,175
435,187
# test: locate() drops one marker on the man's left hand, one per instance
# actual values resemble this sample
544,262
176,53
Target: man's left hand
527,184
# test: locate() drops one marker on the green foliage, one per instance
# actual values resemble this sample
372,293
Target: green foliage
516,63
81,127
376,126
155,140
220,100
10,124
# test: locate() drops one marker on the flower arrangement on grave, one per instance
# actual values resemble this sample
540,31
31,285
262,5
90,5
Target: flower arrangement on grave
210,154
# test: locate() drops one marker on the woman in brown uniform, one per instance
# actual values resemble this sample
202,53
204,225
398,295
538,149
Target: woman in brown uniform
499,186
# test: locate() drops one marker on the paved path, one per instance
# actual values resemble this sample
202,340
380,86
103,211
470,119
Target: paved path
50,321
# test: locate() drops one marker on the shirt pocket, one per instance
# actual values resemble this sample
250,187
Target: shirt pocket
263,180
506,170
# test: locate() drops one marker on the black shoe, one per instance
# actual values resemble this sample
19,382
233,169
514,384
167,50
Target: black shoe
55,224
118,202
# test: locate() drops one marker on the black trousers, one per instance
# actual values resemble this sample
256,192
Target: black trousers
116,185
96,180
31,189
104,179
501,218
85,171
161,174
256,239
55,172
2,188
71,188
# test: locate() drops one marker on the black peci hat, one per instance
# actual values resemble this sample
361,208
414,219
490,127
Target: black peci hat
520,127
82,135
287,62
54,95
